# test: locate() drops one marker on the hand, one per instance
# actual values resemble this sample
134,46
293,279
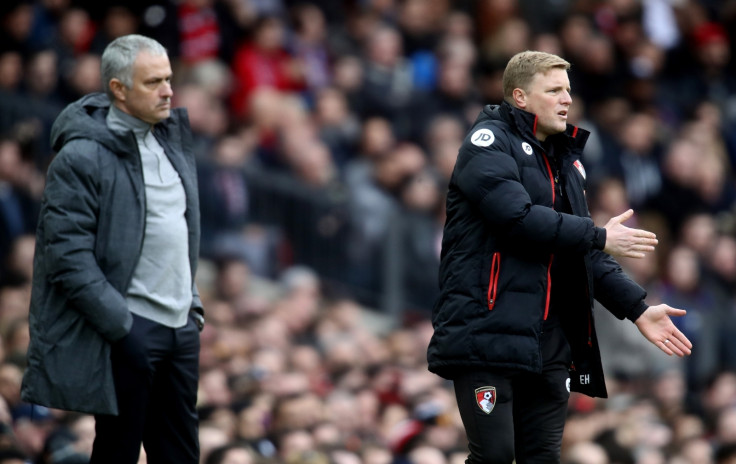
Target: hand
655,324
625,241
198,318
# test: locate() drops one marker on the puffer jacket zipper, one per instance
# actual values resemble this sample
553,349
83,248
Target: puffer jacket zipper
551,256
493,281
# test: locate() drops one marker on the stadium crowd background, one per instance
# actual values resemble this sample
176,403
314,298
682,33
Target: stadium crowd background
326,132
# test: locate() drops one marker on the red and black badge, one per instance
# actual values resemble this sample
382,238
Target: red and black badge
486,398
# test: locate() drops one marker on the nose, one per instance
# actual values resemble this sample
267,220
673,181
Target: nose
166,90
566,98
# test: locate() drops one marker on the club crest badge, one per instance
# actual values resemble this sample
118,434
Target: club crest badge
486,398
527,148
580,168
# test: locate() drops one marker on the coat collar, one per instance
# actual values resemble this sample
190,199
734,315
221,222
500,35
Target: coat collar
573,139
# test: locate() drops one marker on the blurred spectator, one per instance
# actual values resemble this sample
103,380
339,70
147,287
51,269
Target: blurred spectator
374,205
75,34
338,127
223,194
32,425
16,17
118,20
200,37
638,163
678,195
454,95
263,61
309,45
82,78
231,454
11,70
388,90
585,453
682,285
709,78
699,233
18,204
208,117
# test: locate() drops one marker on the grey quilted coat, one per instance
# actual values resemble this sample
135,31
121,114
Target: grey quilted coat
88,241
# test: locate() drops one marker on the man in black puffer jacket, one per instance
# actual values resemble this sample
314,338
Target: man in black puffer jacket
521,264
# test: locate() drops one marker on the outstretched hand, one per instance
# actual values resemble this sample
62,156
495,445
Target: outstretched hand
625,241
655,324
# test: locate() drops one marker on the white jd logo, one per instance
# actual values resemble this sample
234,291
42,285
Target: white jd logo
482,137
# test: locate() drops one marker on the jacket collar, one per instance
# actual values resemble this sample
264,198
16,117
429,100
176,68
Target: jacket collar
86,119
573,139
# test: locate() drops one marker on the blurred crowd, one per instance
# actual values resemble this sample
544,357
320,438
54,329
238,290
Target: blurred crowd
326,132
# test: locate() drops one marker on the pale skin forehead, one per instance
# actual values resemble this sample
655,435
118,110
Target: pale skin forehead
552,78
151,66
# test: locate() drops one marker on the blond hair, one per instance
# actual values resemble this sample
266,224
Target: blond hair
523,66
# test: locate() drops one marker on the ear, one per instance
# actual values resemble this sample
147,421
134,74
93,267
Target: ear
519,98
118,89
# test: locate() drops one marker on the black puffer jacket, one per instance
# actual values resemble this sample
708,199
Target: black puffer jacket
500,239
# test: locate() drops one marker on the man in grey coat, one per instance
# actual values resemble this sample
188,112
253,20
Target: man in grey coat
115,315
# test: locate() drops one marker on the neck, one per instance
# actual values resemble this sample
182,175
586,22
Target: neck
119,118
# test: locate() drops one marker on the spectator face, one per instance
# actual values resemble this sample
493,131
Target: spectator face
11,70
42,73
385,47
270,35
149,98
238,456
548,96
86,75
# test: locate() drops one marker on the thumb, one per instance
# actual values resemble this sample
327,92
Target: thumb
623,217
676,312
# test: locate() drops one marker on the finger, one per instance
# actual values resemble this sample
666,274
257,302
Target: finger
674,346
646,240
677,347
645,234
681,340
664,345
677,344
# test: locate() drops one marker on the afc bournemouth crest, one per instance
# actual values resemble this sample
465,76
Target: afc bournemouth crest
580,168
486,398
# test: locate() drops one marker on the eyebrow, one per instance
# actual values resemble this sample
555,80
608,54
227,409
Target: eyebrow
154,80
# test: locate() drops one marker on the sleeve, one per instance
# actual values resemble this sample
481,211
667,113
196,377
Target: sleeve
70,214
196,301
489,178
620,295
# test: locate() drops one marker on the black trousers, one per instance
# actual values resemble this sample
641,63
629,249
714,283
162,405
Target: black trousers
524,414
156,370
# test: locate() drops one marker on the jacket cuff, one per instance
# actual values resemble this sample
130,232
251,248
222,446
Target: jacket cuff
637,311
599,239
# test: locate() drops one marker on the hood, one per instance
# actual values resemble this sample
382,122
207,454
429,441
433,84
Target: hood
85,119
